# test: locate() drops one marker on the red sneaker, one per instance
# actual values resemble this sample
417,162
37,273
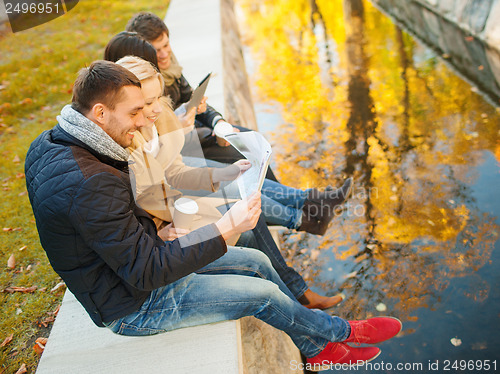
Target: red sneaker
340,353
374,330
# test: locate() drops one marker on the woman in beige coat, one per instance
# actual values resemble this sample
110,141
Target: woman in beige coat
156,162
156,165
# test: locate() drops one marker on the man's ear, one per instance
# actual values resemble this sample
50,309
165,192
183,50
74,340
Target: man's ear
98,114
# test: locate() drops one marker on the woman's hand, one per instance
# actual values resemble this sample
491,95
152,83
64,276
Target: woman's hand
203,106
242,216
187,119
230,172
169,233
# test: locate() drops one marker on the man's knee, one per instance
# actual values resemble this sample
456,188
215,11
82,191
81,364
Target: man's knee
253,256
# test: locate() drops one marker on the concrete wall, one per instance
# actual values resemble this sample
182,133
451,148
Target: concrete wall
466,33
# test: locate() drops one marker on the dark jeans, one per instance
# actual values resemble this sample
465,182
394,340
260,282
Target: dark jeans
260,238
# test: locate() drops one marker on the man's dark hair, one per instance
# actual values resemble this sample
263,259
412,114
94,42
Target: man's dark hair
129,43
147,25
101,82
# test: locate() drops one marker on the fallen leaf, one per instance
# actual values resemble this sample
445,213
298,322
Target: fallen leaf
45,322
13,289
315,254
17,229
351,275
7,229
26,101
23,248
7,340
18,311
16,159
40,345
11,262
479,346
20,175
456,342
469,38
22,369
57,286
381,307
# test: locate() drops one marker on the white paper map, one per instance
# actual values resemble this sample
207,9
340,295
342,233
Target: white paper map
256,149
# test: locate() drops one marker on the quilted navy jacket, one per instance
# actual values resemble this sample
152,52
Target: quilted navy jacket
96,238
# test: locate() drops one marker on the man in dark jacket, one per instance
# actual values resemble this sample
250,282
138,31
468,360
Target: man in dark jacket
119,267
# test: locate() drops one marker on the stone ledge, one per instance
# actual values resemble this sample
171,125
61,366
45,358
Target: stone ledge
77,346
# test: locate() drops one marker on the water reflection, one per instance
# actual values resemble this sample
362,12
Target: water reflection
360,97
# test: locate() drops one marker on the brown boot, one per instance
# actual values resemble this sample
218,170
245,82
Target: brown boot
319,208
312,300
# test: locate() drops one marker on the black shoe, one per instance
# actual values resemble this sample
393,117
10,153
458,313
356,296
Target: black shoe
319,208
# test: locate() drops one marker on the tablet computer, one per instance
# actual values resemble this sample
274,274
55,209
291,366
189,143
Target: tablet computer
198,93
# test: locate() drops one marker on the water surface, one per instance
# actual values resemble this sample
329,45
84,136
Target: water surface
341,91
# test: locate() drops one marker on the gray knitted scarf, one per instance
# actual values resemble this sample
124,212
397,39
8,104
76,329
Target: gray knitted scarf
79,126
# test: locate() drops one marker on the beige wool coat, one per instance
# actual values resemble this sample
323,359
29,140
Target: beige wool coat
158,178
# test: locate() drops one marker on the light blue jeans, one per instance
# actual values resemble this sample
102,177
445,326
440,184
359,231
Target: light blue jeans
281,205
240,283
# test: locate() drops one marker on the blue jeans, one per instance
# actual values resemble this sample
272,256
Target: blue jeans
281,205
240,283
260,238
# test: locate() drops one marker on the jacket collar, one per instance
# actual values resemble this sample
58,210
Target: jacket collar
59,136
82,128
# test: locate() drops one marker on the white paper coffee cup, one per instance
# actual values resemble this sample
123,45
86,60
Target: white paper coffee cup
184,212
222,129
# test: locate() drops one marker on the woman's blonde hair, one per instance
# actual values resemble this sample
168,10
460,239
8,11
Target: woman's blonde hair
142,69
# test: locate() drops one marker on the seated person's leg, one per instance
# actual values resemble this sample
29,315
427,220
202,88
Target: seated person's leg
285,195
206,298
219,295
195,140
246,261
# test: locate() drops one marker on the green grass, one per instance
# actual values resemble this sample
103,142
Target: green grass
37,69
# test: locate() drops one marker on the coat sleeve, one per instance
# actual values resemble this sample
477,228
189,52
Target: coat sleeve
185,177
209,118
103,213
